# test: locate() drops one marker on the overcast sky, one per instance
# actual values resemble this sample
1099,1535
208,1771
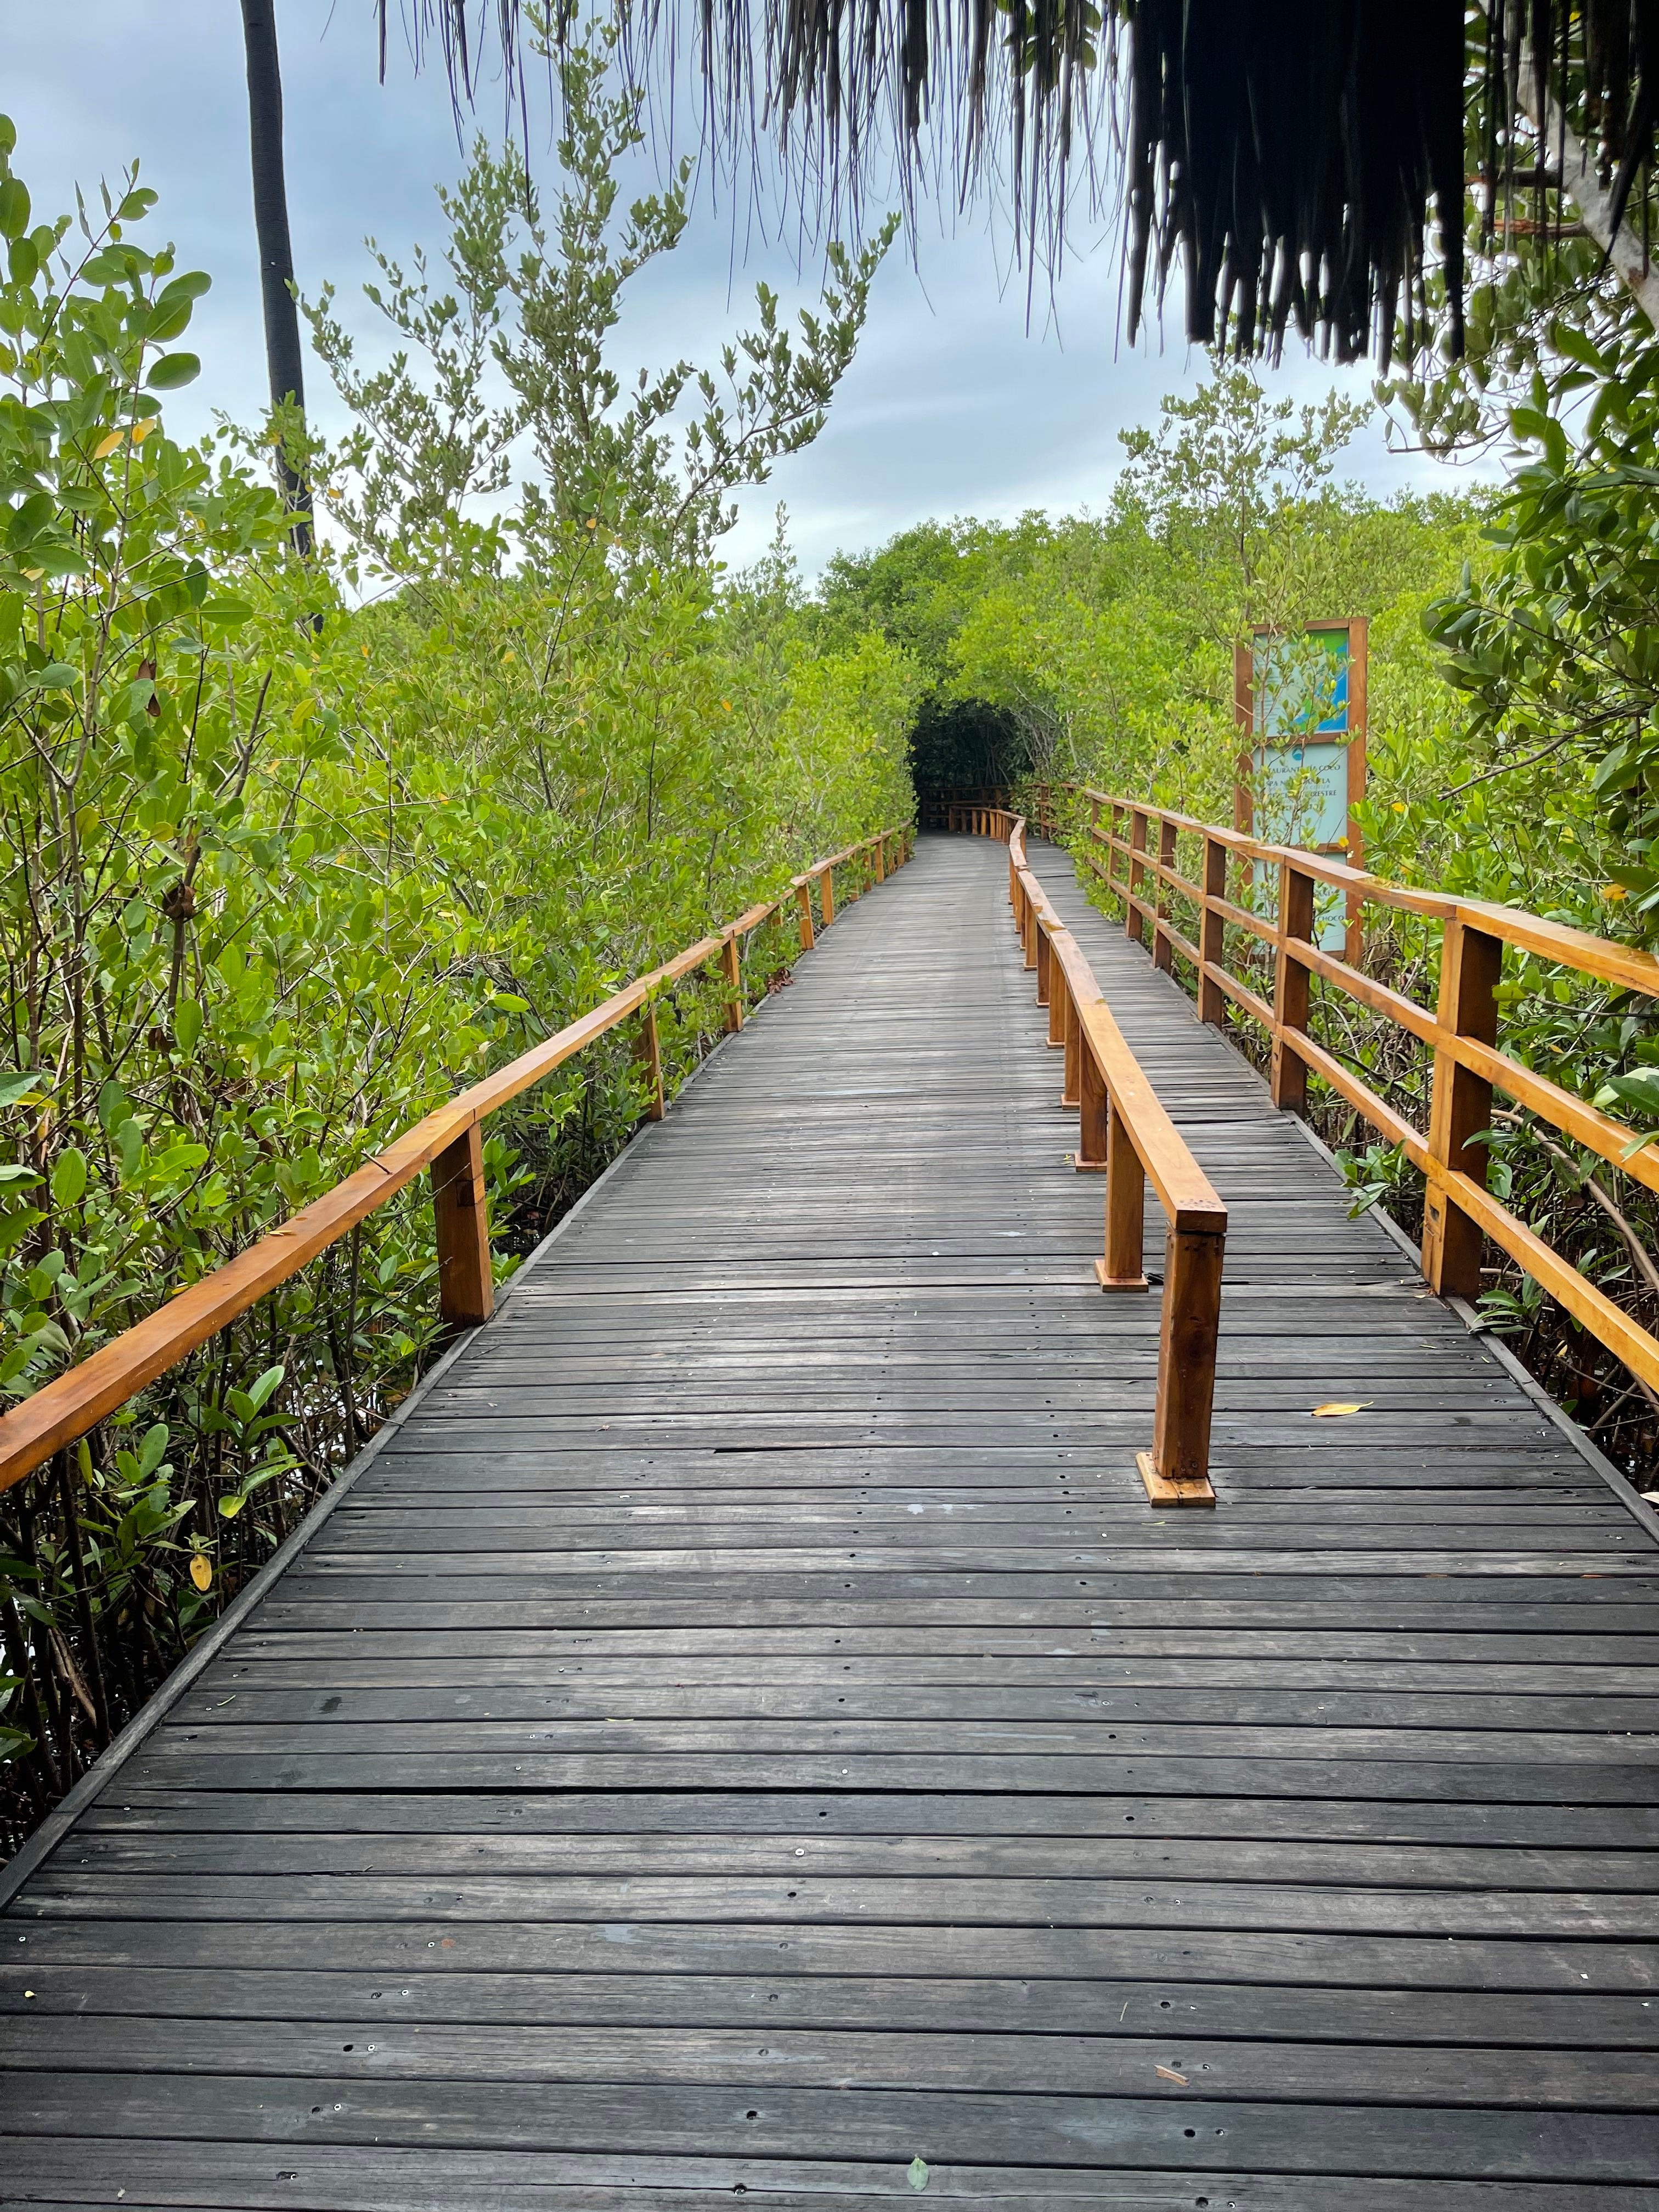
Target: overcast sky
954,406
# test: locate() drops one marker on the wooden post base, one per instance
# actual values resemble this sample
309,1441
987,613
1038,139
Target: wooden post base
1121,1282
1162,1491
1086,1167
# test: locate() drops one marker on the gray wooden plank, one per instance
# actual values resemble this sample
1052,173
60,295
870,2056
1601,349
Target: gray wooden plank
750,1729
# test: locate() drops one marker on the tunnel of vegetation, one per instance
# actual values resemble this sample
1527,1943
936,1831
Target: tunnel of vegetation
969,749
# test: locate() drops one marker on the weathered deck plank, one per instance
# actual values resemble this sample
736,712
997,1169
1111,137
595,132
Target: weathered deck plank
747,1731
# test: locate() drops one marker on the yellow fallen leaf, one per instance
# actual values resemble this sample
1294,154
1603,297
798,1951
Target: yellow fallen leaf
1340,1405
201,1570
1168,2074
107,444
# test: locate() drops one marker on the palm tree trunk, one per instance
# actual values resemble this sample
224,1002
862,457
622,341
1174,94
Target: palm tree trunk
283,354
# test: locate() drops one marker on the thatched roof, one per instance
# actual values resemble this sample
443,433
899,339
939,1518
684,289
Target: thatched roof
1302,160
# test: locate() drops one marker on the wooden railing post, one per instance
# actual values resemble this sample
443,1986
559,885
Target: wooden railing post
1028,930
804,900
466,1288
1059,999
1133,922
732,963
1071,1080
1092,1113
1471,968
1166,854
879,849
647,1051
1212,933
1123,1268
1113,829
1176,1471
1292,978
1043,962
827,896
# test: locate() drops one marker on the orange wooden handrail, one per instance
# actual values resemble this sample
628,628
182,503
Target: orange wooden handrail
1462,1032
1124,1129
449,1142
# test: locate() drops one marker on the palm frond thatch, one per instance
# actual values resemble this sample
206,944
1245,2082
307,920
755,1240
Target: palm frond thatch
1302,160
462,31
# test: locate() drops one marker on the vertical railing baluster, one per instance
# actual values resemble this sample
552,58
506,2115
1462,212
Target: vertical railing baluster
1134,921
1471,968
1093,1113
1212,934
647,1052
1188,1332
1161,949
1292,980
731,961
466,1287
1123,1268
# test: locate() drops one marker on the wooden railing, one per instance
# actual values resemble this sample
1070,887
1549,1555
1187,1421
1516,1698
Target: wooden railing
1461,1032
1123,1129
950,806
450,1143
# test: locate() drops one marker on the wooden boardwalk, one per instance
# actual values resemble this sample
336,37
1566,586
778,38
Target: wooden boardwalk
744,1730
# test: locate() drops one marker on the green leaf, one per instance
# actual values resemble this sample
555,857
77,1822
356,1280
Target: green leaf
130,1144
1640,1088
58,560
15,1177
172,372
230,1507
28,520
260,1392
189,286
69,1177
16,1087
916,2172
226,609
14,208
187,1025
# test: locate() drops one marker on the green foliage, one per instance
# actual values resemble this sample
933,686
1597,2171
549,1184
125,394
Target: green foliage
279,873
1555,641
537,295
1108,641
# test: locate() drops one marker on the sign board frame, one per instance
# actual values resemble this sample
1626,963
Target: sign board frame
1246,715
